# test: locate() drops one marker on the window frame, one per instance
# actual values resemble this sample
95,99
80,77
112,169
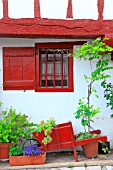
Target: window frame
58,45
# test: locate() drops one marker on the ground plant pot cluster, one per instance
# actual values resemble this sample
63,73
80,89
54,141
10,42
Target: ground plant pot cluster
13,128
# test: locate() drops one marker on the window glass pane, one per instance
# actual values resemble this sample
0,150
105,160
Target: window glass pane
43,68
54,68
43,83
50,59
50,68
58,68
50,83
50,55
65,67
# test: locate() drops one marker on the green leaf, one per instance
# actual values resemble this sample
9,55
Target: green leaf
84,122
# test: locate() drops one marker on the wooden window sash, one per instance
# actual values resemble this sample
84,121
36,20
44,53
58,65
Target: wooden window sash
69,78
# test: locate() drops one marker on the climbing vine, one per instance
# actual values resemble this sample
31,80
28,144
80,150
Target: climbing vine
97,51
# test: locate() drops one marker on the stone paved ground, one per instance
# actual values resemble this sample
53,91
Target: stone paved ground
64,160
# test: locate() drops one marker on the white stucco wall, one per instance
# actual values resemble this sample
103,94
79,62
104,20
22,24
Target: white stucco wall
53,9
61,106
21,8
56,9
85,9
1,9
108,10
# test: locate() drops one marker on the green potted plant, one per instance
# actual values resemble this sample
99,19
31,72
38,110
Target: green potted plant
43,131
13,127
96,51
29,155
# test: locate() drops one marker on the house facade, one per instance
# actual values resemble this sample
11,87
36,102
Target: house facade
36,75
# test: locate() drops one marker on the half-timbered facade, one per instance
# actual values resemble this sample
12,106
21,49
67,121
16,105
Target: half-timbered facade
37,76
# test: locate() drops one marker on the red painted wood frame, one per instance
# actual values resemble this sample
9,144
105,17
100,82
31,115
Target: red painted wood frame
5,9
100,5
69,10
18,68
70,87
37,8
37,27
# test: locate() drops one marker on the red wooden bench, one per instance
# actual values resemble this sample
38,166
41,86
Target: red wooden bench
63,137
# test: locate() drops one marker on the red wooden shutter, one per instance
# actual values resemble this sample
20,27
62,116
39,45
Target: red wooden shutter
18,68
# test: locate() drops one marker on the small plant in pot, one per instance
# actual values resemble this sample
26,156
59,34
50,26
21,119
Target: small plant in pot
29,155
99,52
13,127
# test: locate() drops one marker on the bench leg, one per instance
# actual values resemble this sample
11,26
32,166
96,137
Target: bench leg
75,154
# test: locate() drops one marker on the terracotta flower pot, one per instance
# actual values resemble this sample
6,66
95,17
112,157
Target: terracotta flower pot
27,160
91,149
4,150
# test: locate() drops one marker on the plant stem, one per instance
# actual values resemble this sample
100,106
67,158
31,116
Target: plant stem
88,99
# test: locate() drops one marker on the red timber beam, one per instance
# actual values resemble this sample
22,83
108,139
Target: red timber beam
37,9
100,5
69,10
54,28
5,9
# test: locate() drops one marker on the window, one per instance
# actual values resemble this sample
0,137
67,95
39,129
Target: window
55,67
46,68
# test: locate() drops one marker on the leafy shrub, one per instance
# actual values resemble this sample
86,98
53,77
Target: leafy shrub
14,126
15,151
